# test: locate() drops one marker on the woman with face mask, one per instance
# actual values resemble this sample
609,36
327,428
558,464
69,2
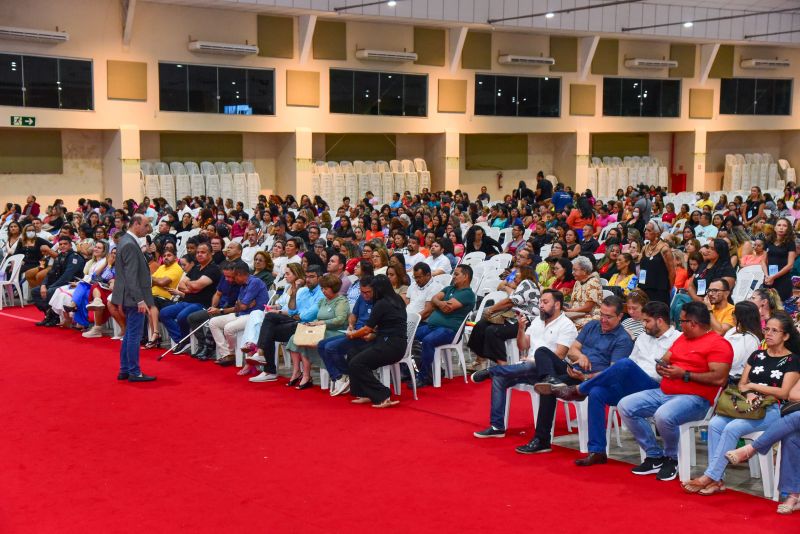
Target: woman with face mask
36,251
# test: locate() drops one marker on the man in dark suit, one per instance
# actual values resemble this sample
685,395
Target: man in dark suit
132,292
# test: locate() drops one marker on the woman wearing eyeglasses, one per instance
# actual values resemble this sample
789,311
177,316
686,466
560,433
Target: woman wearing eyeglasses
769,372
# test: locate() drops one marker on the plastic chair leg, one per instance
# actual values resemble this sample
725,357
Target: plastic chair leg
684,452
437,368
462,361
324,378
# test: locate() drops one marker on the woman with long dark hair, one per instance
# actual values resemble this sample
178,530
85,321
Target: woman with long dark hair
476,240
386,332
770,372
777,265
745,336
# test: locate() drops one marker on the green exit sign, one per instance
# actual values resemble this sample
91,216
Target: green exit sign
18,120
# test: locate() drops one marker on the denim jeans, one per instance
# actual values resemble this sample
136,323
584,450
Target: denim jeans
431,337
668,411
332,352
504,377
724,433
787,431
174,318
607,389
129,351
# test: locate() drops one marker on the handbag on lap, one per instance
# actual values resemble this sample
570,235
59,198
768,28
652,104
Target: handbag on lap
308,335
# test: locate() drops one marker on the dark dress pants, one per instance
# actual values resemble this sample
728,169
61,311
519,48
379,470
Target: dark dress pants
548,364
382,351
488,340
276,327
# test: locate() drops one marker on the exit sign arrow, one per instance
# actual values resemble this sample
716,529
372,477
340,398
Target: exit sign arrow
18,120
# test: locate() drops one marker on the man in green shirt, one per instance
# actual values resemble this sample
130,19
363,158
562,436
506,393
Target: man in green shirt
445,313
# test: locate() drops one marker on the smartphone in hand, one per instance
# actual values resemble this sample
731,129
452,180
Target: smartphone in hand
661,363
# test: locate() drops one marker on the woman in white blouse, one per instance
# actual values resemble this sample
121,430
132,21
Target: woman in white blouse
745,337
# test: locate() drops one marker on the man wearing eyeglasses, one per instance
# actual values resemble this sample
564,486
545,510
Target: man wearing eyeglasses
717,303
692,373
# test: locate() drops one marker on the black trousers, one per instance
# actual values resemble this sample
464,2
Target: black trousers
42,303
658,295
362,361
276,327
548,364
195,319
488,340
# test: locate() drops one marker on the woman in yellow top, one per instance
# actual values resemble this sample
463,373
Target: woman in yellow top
625,273
544,271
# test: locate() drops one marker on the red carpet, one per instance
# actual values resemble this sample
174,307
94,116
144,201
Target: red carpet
203,450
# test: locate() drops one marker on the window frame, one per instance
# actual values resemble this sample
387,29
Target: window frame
58,59
220,111
640,81
516,98
379,74
737,79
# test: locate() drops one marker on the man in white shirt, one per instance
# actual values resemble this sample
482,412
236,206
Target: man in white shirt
630,375
437,261
705,228
421,290
250,247
413,256
551,330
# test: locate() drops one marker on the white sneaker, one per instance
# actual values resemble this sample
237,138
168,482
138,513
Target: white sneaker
95,331
96,304
342,386
264,377
256,358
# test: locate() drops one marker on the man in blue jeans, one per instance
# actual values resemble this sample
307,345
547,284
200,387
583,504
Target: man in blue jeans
692,373
449,308
332,350
627,376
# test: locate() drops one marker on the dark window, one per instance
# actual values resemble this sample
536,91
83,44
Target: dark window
41,81
11,80
208,89
378,93
173,87
341,82
636,97
517,96
75,83
755,96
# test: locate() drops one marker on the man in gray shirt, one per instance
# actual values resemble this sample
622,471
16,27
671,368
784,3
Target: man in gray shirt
643,203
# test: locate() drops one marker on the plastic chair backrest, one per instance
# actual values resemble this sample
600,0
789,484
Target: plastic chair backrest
412,322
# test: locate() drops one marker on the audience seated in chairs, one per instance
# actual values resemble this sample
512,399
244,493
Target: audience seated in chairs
587,293
692,372
448,310
67,266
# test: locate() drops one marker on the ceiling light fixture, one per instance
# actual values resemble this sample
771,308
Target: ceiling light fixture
712,19
550,14
390,3
688,24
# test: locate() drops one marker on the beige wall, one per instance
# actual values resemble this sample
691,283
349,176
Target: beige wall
96,33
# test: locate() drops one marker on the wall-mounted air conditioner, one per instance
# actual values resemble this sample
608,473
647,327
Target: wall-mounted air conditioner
765,63
27,34
510,59
231,49
645,63
385,55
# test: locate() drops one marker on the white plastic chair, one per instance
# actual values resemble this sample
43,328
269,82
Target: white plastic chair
12,283
473,258
763,467
392,372
502,260
442,355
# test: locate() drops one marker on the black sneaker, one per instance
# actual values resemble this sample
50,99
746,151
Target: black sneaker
535,446
490,432
480,376
648,467
668,471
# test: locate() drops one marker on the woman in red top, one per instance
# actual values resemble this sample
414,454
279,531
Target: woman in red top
669,214
564,281
375,231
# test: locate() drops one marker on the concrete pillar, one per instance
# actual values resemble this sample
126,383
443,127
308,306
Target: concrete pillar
452,150
582,157
303,161
121,156
696,181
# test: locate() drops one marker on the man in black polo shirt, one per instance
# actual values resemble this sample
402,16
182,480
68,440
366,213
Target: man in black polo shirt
544,188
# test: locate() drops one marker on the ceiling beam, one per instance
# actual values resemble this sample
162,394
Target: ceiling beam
128,8
708,53
586,49
306,24
565,10
689,23
457,38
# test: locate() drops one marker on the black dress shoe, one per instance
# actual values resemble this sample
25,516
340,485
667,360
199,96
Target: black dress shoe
122,376
535,446
545,386
594,458
141,378
567,393
43,322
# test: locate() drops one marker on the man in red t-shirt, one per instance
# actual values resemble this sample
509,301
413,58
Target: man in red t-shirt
692,371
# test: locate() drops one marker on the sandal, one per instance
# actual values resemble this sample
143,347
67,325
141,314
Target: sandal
791,504
244,370
388,403
712,489
740,455
153,343
695,486
360,400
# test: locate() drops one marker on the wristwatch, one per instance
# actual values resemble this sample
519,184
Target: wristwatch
686,376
